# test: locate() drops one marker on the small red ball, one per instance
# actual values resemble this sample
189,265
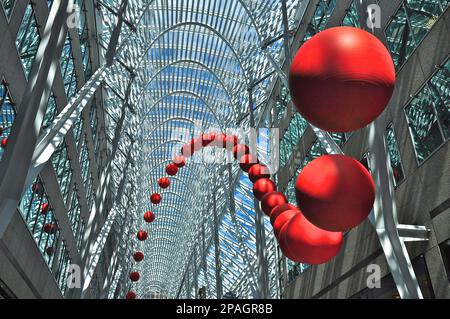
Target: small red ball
263,186
179,161
231,141
307,243
49,228
50,251
220,140
130,295
4,142
163,182
276,211
282,219
142,235
240,150
335,192
187,150
155,198
134,276
208,138
247,161
138,256
149,217
35,187
272,200
171,169
258,171
45,208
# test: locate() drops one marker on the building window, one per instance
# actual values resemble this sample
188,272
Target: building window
7,116
294,132
63,169
410,24
394,155
351,18
8,6
62,272
50,112
68,69
324,9
428,115
28,39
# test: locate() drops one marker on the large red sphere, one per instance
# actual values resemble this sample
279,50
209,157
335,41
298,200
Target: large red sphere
263,186
163,182
342,79
240,150
155,198
282,242
258,171
130,295
247,161
276,211
134,276
179,161
282,219
138,256
142,235
335,192
272,200
171,169
149,217
307,243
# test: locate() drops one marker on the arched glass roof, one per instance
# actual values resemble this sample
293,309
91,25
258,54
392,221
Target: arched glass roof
182,68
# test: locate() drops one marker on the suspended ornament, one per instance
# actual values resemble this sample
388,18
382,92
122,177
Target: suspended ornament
282,219
155,198
45,208
335,192
342,79
142,235
247,161
149,217
240,150
271,200
138,256
130,295
263,186
163,182
208,138
134,276
50,251
171,169
4,142
187,150
231,141
276,211
258,171
307,243
35,187
49,228
179,161
219,141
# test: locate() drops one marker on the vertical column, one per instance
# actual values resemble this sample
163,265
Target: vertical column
217,249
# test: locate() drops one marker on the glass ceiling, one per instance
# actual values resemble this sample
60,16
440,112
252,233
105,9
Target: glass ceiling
184,67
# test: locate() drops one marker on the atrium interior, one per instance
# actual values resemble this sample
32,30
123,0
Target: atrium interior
224,149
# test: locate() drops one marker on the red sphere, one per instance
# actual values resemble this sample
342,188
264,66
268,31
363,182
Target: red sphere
4,142
134,276
240,150
179,161
155,198
171,169
272,200
263,186
231,141
258,171
142,235
307,243
149,217
247,161
163,182
35,187
220,140
45,208
208,138
187,150
49,228
276,211
50,251
138,256
342,79
335,192
130,295
282,219
282,242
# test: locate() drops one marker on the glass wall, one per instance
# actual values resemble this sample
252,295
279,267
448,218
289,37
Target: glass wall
28,39
394,155
7,116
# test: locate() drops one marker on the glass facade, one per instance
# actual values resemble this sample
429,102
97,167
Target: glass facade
28,39
394,155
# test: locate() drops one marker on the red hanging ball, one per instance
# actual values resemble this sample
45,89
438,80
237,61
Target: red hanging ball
49,228
258,171
45,208
272,200
4,142
163,182
342,79
138,256
149,217
220,140
134,276
282,219
307,243
276,211
335,192
171,169
35,187
142,235
240,150
179,161
208,138
130,295
263,186
50,251
155,198
247,161
187,150
231,141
